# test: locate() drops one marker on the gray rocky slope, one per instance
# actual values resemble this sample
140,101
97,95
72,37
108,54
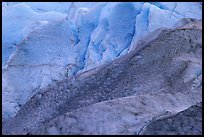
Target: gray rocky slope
186,122
160,77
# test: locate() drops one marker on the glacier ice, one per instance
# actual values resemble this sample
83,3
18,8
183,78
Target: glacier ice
47,42
157,81
105,43
25,21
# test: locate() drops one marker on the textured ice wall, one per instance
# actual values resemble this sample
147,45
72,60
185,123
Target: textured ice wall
48,43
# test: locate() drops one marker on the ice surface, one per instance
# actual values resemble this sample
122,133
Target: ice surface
18,21
106,43
46,42
61,7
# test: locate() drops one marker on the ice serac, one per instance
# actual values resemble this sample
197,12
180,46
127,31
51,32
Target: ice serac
112,35
155,15
43,43
86,21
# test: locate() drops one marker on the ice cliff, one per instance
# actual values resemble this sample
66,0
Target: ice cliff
48,42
